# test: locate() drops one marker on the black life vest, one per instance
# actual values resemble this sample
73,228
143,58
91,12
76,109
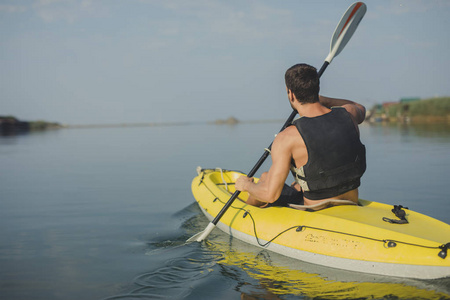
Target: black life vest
336,156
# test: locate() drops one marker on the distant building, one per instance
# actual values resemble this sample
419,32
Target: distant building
387,104
408,100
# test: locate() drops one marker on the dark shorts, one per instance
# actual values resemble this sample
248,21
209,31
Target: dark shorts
289,195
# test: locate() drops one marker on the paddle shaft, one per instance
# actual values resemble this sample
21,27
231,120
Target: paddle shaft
262,158
342,34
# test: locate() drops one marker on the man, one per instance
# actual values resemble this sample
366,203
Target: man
322,149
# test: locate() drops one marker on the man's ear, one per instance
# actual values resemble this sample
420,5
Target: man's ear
290,95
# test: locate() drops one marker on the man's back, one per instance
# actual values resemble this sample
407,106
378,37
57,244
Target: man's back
330,159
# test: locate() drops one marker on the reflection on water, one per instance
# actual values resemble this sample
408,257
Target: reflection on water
277,275
432,130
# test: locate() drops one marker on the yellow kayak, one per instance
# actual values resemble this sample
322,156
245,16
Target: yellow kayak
367,237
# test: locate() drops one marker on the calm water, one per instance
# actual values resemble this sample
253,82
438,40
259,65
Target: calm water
103,214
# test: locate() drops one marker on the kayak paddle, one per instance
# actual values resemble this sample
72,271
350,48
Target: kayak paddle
342,34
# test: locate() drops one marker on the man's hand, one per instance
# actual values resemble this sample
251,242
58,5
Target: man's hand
242,183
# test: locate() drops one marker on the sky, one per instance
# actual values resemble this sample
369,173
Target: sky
133,61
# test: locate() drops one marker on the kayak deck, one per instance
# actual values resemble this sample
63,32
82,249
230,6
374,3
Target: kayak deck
348,237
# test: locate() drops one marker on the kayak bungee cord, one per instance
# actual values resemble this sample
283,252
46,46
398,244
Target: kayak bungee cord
301,228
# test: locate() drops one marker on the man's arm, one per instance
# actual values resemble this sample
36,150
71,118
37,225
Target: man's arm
356,110
269,189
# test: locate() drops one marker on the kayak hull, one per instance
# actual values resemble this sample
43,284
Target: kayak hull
348,237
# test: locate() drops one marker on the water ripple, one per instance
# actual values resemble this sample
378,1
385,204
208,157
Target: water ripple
177,277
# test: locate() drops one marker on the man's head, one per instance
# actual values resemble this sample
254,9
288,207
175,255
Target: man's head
303,81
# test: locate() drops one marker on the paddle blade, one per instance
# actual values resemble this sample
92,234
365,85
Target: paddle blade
345,29
199,237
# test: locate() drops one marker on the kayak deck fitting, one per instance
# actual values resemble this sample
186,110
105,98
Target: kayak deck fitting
367,237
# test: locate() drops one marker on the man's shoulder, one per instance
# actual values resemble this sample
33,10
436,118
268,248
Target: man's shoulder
289,132
288,136
289,143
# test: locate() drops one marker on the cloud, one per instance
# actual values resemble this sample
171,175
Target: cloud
53,10
401,7
11,8
221,22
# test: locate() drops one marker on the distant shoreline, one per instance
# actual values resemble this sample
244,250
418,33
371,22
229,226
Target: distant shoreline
163,124
11,125
412,111
405,111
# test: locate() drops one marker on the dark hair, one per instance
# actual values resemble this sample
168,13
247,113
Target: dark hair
303,81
